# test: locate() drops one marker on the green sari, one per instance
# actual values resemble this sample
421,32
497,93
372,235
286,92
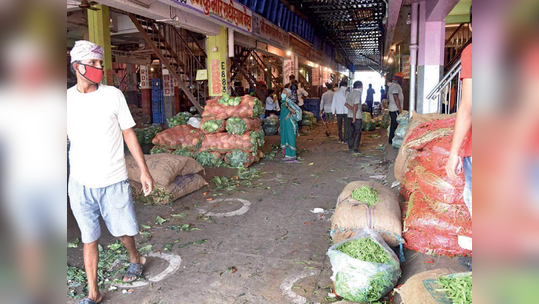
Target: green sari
289,128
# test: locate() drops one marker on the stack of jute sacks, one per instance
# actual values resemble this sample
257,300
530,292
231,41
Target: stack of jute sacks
175,176
230,132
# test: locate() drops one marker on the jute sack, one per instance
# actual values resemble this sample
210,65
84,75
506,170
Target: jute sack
180,187
406,154
351,216
415,291
163,167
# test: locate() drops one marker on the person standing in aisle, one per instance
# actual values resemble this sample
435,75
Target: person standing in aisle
383,94
290,115
338,108
396,102
272,104
294,94
98,122
325,103
301,94
354,121
370,98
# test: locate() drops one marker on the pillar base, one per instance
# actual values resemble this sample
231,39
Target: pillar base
428,76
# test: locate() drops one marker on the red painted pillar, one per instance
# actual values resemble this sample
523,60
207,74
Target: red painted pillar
177,97
146,92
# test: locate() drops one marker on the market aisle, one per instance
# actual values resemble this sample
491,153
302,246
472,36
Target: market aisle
273,253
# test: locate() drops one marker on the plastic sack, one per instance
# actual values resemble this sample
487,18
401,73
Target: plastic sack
185,137
195,122
249,107
271,125
397,142
403,118
400,131
354,278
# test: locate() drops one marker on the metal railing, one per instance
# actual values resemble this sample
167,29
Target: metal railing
443,92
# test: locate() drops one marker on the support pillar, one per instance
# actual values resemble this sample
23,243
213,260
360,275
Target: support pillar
146,92
431,60
99,33
218,69
413,57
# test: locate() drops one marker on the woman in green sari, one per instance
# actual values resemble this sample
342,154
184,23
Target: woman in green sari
290,115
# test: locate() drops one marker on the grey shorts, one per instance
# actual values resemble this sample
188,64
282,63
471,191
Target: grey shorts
114,203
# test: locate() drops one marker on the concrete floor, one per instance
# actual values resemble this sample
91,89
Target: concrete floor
276,251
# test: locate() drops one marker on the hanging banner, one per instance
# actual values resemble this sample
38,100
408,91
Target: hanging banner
269,31
129,57
145,77
168,84
316,76
228,11
217,63
288,69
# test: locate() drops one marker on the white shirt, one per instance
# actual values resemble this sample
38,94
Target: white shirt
301,93
94,126
354,98
272,105
395,88
326,101
339,101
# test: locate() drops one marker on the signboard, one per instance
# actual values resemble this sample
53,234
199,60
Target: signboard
202,75
288,69
316,76
129,57
228,11
299,47
145,77
168,84
270,32
217,63
406,66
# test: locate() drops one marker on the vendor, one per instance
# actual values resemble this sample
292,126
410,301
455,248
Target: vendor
272,104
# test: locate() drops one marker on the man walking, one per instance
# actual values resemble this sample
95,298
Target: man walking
325,103
396,99
370,98
98,122
354,117
338,108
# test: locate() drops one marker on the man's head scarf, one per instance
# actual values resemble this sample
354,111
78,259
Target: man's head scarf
86,50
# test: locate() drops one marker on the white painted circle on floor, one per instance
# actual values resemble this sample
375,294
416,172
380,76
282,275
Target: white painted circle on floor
288,283
174,262
246,206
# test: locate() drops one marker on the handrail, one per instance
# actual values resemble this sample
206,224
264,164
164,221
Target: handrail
457,56
196,42
187,47
454,33
447,78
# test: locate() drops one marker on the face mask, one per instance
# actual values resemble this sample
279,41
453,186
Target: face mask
283,96
92,74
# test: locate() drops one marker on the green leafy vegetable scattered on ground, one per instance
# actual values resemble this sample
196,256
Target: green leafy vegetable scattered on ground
158,196
366,195
192,243
457,289
159,220
74,244
244,178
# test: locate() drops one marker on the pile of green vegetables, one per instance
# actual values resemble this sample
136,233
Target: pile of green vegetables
108,271
367,250
258,108
457,288
236,126
271,125
158,196
237,158
368,123
145,135
180,119
257,139
212,125
366,195
208,159
227,100
308,118
183,152
157,150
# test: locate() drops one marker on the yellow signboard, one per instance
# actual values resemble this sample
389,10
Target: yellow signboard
217,63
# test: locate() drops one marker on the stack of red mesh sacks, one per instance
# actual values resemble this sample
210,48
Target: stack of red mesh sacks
435,213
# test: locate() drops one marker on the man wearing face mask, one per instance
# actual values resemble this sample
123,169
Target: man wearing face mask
98,122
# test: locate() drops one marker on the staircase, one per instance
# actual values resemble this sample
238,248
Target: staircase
448,91
456,43
179,52
239,67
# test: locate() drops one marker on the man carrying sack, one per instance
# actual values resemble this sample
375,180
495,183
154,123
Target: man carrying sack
98,122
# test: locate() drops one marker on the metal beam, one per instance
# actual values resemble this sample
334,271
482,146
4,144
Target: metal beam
394,12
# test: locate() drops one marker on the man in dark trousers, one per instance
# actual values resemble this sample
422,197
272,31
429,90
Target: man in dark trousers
354,121
370,97
396,102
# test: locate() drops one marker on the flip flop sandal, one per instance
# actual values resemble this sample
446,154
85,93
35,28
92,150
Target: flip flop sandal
88,301
135,271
